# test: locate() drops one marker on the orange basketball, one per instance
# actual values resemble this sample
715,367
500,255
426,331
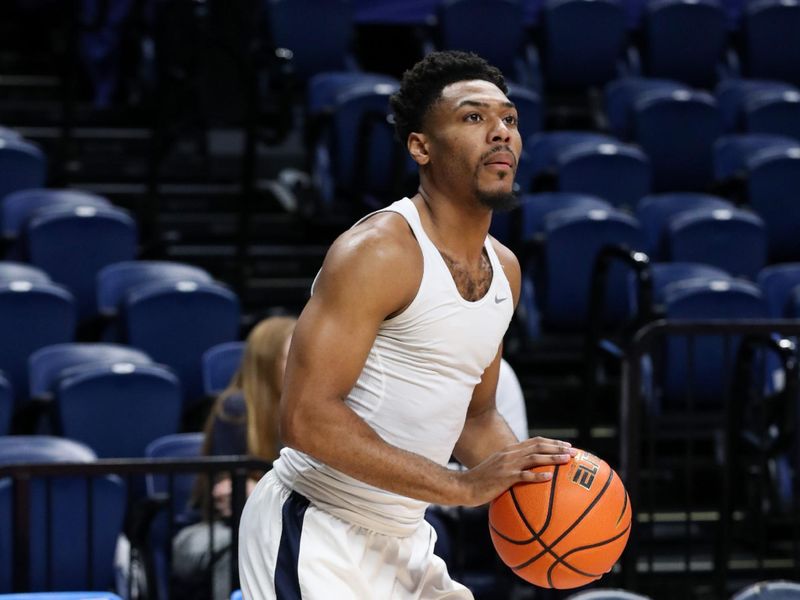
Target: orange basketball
566,532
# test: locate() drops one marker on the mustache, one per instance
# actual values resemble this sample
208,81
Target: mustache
505,148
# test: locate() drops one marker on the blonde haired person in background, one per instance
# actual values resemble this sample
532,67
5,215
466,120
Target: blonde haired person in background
243,421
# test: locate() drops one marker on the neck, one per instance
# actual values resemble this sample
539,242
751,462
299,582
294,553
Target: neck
455,226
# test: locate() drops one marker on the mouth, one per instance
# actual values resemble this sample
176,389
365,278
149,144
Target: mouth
501,160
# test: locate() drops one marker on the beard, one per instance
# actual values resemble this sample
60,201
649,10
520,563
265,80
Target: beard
498,201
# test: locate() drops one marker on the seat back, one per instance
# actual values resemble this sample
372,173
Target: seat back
776,283
72,244
621,96
677,131
772,46
732,152
655,212
769,590
617,173
47,365
584,40
174,323
573,240
665,274
22,164
607,594
220,363
774,112
529,109
118,409
734,93
31,316
534,208
14,271
685,40
773,182
80,544
733,240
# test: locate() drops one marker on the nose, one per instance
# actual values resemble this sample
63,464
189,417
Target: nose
500,132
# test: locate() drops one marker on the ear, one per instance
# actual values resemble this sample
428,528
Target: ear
418,148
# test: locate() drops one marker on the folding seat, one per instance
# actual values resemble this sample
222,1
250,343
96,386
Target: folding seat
776,283
665,274
731,152
621,95
177,445
6,404
772,46
321,43
6,133
22,165
774,112
116,280
616,172
544,148
534,209
677,131
19,207
462,25
15,271
734,94
71,548
769,590
117,409
572,240
773,178
685,40
32,315
584,41
323,88
72,244
220,363
656,211
529,109
357,157
174,323
732,239
48,365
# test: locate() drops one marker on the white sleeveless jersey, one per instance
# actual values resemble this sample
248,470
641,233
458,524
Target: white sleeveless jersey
415,387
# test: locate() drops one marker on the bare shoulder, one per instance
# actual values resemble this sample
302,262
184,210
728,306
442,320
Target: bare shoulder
510,266
379,258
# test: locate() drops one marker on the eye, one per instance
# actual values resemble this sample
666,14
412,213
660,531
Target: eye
511,120
473,118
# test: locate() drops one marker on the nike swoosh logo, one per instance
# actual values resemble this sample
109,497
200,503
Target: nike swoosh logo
498,300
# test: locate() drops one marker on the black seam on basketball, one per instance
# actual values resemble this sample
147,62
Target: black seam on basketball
624,506
521,513
549,548
563,559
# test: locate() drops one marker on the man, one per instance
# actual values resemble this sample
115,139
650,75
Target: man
394,364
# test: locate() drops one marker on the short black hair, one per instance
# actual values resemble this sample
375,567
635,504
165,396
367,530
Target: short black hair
422,86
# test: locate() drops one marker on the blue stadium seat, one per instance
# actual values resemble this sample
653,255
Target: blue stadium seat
544,148
47,365
584,41
534,209
462,25
685,40
769,590
665,274
677,131
616,172
236,595
220,363
72,244
776,283
357,157
6,404
59,520
703,299
117,409
176,322
656,211
178,445
116,280
319,44
734,94
31,316
732,152
772,46
621,96
15,271
19,207
774,112
22,164
572,240
772,178
529,109
323,88
607,594
732,239
7,133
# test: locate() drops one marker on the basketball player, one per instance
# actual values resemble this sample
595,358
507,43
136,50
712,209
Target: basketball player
394,363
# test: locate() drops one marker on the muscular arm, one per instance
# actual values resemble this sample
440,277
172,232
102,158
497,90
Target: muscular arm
370,273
